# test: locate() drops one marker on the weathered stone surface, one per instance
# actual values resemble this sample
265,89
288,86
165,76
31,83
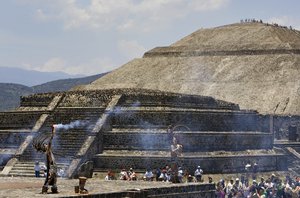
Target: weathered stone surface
251,64
17,187
124,121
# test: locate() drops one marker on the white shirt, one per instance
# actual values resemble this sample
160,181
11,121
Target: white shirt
37,167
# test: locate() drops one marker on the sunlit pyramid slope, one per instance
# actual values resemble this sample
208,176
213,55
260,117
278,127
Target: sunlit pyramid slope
255,65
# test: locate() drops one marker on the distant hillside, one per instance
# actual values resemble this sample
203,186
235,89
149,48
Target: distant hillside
10,93
30,77
64,84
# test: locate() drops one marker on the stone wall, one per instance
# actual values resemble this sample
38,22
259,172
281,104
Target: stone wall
282,124
85,99
180,52
196,121
86,117
37,100
191,141
172,100
11,140
210,164
175,191
18,120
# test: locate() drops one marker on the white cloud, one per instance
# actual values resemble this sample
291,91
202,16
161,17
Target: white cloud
143,15
203,5
52,65
131,49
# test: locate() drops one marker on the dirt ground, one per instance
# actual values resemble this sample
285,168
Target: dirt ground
11,187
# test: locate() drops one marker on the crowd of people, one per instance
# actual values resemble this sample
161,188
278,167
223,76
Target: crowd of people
164,174
243,187
260,21
272,187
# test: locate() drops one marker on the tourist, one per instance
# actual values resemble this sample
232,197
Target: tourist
110,176
61,173
44,170
237,185
229,187
37,169
253,187
246,188
198,174
262,182
163,175
157,174
180,174
148,176
262,193
279,188
273,178
190,179
288,190
123,174
297,183
248,167
169,173
220,191
132,175
268,186
210,180
254,170
222,183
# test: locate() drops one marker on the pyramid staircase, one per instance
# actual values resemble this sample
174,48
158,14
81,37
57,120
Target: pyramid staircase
66,144
128,128
293,151
14,128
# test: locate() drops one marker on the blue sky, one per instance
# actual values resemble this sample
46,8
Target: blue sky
94,36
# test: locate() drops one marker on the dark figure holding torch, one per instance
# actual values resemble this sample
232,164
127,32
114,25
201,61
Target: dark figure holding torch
43,143
176,150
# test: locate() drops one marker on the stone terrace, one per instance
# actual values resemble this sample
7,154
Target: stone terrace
127,128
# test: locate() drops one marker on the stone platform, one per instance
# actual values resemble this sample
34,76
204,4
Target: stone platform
211,162
119,123
17,187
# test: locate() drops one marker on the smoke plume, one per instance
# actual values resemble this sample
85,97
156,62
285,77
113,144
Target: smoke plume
71,125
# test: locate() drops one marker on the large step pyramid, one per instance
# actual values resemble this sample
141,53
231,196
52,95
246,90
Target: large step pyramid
128,128
255,65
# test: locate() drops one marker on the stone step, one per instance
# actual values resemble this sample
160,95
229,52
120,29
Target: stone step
212,162
30,164
191,140
195,120
180,129
9,146
59,157
220,153
26,169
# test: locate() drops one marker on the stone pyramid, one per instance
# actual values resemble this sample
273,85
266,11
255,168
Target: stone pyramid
255,65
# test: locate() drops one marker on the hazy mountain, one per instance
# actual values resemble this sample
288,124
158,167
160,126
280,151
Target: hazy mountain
64,84
30,77
10,93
